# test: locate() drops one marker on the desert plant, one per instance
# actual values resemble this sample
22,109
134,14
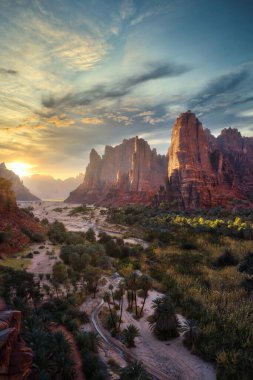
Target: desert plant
129,334
163,322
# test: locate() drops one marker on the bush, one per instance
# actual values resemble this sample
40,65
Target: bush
226,259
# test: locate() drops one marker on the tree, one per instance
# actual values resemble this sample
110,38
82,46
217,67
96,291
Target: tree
90,235
129,334
146,284
164,321
135,371
107,298
60,273
190,332
111,289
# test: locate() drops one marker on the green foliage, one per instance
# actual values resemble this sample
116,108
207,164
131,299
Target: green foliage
164,321
57,232
33,236
79,210
90,235
60,273
129,334
135,371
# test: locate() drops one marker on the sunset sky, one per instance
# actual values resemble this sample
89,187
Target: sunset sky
81,74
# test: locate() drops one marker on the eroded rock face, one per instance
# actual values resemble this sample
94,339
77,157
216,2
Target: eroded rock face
15,224
127,173
22,193
204,171
200,171
16,357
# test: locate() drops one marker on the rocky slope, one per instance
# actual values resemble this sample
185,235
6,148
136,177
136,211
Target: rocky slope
16,226
127,173
206,172
200,171
22,193
47,187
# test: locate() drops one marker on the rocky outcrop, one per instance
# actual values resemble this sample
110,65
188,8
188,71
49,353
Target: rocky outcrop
207,172
127,173
22,193
16,226
15,356
200,172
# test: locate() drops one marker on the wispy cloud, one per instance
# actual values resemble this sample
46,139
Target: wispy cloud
118,89
219,89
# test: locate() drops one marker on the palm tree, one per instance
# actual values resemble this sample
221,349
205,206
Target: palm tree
121,291
164,321
132,284
129,334
146,284
135,371
107,298
190,332
111,289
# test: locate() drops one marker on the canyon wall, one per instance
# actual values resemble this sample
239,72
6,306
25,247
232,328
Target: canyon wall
206,172
200,171
128,173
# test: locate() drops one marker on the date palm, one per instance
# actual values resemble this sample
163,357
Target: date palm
135,371
190,332
129,334
164,321
146,284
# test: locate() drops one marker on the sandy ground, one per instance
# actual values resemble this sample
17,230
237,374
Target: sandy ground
170,356
43,262
82,222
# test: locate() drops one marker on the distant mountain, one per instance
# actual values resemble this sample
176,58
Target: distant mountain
200,171
21,192
47,187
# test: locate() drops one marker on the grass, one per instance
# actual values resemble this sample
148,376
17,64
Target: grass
16,261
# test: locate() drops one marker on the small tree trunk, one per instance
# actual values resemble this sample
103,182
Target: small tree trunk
121,311
143,303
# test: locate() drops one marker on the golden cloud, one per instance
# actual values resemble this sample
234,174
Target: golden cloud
92,120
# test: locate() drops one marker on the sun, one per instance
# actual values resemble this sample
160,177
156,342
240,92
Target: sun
20,168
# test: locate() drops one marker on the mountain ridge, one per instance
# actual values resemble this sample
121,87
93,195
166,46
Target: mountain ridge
199,171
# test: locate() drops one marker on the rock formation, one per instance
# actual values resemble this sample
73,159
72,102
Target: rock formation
16,226
202,171
206,172
127,173
22,193
15,357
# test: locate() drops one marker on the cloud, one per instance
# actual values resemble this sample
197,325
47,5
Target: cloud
4,71
118,89
92,120
220,88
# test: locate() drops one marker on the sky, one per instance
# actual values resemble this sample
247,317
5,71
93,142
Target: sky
82,74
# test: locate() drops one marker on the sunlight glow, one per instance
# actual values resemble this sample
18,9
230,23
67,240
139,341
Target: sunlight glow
20,168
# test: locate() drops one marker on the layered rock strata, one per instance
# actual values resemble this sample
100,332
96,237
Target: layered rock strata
206,172
127,173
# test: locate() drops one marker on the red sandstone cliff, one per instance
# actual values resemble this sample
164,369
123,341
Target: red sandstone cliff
202,172
206,172
15,224
127,173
